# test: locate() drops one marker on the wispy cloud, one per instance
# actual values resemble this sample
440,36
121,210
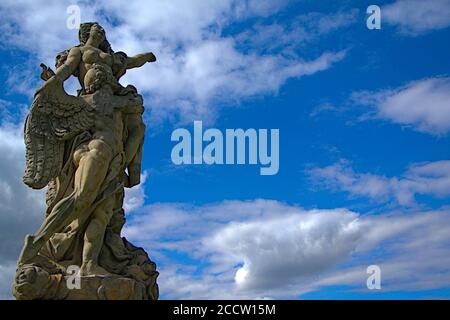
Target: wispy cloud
304,29
431,179
415,17
423,105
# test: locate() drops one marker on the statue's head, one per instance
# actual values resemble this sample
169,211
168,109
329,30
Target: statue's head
95,31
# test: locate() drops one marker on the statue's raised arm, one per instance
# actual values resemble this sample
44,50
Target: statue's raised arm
139,60
54,117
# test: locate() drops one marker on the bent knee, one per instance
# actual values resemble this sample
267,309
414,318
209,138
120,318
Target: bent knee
99,149
79,153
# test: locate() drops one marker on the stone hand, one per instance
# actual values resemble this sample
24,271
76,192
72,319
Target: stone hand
150,57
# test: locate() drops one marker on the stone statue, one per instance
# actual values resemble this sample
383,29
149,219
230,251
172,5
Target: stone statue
86,149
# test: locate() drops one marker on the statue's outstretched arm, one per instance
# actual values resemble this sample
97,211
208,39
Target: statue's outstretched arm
140,59
70,65
54,118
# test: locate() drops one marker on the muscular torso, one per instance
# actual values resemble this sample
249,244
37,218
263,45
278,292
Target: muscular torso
109,128
89,56
109,122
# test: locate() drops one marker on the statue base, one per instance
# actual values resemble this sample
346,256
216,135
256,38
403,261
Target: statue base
35,283
53,274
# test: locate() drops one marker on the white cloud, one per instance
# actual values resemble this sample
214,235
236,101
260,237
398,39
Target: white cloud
264,248
432,178
296,34
325,23
423,105
199,68
135,197
414,17
281,250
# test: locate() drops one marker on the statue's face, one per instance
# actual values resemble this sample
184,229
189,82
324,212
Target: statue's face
97,33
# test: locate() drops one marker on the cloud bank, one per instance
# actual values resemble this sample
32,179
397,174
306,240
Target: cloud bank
265,248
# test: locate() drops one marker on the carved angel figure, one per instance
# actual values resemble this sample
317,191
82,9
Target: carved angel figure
86,149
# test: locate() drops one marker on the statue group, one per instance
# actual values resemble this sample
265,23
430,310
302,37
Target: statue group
85,149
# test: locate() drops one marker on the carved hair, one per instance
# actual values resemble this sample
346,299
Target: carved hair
84,32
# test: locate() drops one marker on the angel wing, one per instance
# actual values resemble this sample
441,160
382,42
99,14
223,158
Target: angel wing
54,118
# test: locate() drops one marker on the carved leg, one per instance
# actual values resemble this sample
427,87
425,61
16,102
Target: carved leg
136,132
91,171
133,148
94,237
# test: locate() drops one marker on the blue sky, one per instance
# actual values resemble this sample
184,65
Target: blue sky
364,117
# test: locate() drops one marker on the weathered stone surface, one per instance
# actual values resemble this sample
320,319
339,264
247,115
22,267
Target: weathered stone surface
85,149
36,283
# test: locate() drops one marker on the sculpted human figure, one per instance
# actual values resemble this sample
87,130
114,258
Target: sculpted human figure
82,148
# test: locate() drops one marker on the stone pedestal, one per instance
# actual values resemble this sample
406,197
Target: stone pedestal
35,283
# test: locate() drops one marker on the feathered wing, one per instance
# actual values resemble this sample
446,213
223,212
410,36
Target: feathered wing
54,118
